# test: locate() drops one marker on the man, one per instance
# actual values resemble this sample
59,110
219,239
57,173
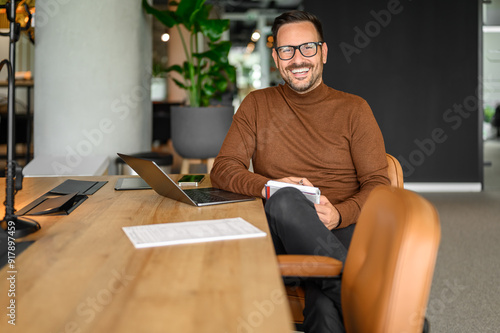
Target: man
304,132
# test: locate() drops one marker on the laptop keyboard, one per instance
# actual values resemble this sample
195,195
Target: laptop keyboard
210,195
199,195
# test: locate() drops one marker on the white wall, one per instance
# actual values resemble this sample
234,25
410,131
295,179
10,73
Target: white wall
491,68
92,79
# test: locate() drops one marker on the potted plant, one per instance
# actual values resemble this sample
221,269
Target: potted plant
158,83
199,128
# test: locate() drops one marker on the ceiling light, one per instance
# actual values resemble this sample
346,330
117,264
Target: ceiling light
255,36
165,37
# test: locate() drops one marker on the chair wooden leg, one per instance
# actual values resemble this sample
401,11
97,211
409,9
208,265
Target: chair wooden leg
210,164
186,162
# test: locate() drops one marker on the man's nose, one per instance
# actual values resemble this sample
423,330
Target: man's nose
297,57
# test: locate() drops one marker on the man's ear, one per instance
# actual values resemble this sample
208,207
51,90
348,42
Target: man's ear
275,57
324,52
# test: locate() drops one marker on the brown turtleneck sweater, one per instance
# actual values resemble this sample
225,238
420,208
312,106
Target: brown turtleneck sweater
328,136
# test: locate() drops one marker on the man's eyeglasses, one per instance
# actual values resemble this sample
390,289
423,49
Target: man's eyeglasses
307,50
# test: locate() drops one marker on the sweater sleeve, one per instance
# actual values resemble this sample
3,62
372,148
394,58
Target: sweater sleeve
230,170
368,155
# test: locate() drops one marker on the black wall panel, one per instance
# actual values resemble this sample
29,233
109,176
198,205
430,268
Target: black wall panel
416,63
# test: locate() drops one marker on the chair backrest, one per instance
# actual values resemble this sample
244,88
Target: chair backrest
388,271
395,171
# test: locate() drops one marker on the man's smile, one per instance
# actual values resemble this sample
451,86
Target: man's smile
300,72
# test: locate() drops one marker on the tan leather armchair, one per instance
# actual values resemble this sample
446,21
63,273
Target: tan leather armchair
394,171
385,284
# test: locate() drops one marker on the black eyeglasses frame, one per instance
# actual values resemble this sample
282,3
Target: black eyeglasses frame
297,47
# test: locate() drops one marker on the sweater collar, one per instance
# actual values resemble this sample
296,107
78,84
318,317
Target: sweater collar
318,94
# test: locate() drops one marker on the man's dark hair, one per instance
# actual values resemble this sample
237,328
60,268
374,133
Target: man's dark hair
296,16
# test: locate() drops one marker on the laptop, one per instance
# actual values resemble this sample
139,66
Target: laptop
165,186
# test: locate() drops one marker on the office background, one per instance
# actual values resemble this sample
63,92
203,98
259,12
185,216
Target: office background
417,63
412,67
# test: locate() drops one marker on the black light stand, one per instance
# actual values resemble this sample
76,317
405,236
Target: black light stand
11,224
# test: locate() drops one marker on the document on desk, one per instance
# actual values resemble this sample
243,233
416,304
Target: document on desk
191,232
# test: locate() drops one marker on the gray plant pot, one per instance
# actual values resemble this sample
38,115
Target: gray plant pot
199,132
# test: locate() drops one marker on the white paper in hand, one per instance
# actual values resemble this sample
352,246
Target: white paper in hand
311,193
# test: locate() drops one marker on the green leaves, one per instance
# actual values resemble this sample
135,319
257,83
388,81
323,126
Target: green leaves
213,29
206,75
164,16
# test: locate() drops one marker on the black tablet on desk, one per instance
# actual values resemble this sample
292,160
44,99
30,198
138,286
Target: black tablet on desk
131,183
62,199
53,204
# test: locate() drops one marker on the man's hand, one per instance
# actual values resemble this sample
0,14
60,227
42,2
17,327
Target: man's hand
327,213
291,180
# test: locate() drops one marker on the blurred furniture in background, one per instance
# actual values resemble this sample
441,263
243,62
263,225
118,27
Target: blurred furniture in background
24,127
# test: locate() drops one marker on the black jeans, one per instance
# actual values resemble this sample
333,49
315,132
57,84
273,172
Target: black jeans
296,229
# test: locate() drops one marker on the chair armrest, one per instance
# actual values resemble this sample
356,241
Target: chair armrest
309,266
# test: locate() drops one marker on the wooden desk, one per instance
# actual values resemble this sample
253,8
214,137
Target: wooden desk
84,275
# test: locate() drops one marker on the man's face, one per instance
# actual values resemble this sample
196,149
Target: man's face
302,74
